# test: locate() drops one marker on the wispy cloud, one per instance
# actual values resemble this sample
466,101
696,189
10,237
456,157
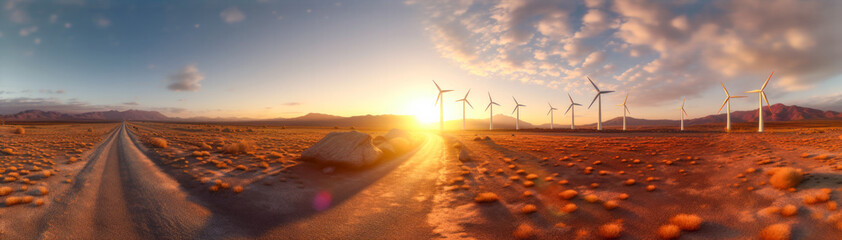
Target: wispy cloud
641,44
291,104
232,15
131,103
186,80
102,22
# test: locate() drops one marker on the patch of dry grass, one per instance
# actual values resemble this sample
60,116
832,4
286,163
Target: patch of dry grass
569,208
669,231
486,197
5,190
610,231
778,231
524,231
529,208
19,130
687,222
158,142
789,210
785,177
238,189
568,194
238,147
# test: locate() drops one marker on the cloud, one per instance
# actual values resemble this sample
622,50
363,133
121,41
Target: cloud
131,103
292,104
48,91
53,18
26,31
232,15
15,105
675,48
102,22
186,80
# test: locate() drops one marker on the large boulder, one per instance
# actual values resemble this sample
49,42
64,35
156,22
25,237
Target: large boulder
352,149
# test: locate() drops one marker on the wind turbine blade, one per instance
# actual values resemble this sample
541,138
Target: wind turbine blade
577,104
767,81
627,98
489,106
571,98
754,91
682,102
594,84
469,103
737,96
723,104
437,85
548,112
627,109
604,92
489,97
594,100
466,94
551,106
437,99
444,91
496,103
516,103
685,112
460,100
513,111
568,109
726,90
767,100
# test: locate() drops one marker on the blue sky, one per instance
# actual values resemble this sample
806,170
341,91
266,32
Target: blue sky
277,58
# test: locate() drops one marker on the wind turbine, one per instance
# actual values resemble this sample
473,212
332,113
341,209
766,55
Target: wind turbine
441,109
625,109
682,113
728,98
465,100
517,109
598,96
572,111
762,96
551,116
491,116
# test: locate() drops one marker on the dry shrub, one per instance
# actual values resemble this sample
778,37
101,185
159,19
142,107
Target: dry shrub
611,230
47,173
238,147
789,210
569,208
651,188
8,151
204,146
238,189
687,222
39,202
629,182
591,198
13,200
610,204
623,196
19,130
568,194
529,208
42,190
5,190
486,197
27,199
200,153
524,231
778,231
785,177
531,176
158,142
669,231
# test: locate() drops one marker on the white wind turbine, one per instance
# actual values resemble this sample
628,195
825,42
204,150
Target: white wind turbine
762,96
598,96
465,100
517,109
728,98
441,109
572,111
625,110
682,113
491,116
551,114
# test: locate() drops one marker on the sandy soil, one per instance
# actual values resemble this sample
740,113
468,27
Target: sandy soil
232,182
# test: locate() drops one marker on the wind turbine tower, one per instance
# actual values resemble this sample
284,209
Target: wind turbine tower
465,100
441,108
491,113
517,109
572,111
598,96
682,113
762,96
625,110
551,114
728,98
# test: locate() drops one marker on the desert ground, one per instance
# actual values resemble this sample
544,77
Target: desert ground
142,180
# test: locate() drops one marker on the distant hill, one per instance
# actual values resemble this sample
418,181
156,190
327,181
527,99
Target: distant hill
50,116
777,112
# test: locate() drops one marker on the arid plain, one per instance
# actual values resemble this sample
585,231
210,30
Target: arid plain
250,181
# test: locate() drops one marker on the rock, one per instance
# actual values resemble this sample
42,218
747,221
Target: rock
378,140
786,177
352,149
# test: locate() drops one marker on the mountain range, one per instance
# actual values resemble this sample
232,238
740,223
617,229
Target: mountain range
777,112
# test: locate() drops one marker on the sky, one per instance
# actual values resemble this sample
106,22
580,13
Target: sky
273,58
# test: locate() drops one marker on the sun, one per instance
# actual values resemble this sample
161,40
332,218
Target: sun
423,110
